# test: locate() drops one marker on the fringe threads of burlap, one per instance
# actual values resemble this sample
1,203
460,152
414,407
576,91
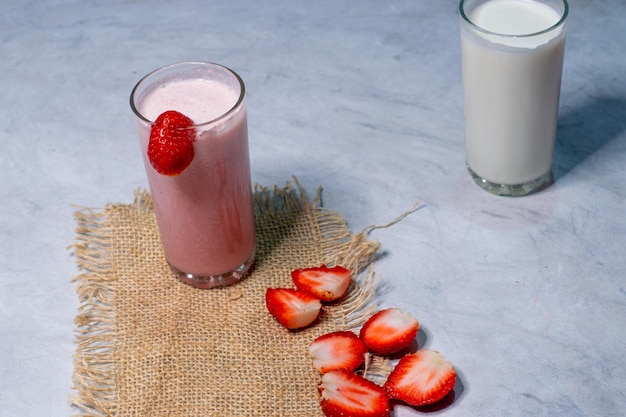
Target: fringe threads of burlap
150,345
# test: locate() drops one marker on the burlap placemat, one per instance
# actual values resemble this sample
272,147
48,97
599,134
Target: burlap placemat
150,345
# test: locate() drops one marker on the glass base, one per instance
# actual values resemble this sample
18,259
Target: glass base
513,190
211,281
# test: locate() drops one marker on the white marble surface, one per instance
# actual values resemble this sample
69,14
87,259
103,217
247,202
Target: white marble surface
527,297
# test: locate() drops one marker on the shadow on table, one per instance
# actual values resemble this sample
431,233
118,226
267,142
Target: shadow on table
585,130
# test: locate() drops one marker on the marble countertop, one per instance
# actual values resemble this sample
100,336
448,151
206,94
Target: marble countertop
526,296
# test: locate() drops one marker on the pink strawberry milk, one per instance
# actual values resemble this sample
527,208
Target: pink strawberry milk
205,214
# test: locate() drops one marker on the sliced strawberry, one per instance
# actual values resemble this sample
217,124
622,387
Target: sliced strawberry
293,309
345,394
328,284
421,378
389,331
170,148
337,350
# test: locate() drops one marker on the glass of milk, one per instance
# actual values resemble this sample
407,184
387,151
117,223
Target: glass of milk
512,55
205,214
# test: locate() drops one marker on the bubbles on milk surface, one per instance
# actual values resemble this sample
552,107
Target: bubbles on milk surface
512,22
201,100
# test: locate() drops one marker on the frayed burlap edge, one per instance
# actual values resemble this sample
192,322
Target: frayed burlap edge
95,321
93,378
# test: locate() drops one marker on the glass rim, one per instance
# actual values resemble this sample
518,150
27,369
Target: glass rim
227,113
560,22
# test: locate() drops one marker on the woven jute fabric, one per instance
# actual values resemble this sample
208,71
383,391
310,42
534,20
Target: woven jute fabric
151,345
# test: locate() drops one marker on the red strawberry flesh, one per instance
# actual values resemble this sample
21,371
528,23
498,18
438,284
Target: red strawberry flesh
326,283
292,308
170,147
345,394
421,378
340,350
389,331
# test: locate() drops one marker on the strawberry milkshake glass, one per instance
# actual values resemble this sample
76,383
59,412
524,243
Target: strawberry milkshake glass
204,211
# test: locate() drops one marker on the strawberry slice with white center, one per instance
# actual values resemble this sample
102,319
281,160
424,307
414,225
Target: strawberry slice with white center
340,350
328,284
293,309
421,378
346,394
389,331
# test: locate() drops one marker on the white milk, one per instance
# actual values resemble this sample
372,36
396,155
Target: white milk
512,85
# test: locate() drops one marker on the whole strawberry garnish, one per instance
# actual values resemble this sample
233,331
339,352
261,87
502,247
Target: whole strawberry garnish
292,308
170,149
328,284
339,350
421,378
389,331
346,394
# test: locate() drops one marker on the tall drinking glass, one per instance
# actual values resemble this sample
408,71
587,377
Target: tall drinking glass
512,55
205,214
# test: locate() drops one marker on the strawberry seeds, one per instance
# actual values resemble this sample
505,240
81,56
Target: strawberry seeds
420,378
170,148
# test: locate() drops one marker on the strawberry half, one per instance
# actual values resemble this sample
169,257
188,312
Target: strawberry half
421,378
328,284
337,350
389,331
170,148
293,309
345,394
